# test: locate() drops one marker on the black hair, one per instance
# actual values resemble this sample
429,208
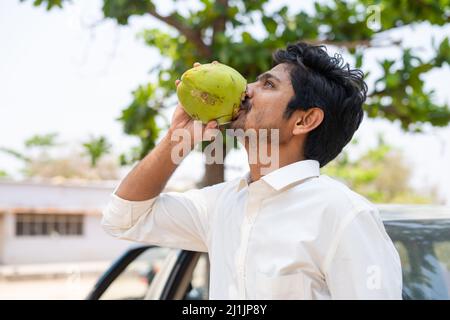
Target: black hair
326,82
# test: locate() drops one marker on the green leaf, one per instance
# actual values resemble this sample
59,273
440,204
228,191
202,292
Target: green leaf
399,93
270,24
247,38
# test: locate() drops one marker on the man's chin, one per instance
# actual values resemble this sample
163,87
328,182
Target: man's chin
238,123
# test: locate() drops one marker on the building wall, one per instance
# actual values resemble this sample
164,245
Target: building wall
2,236
93,245
41,195
46,197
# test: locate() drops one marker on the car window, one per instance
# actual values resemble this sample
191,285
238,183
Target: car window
424,250
198,288
134,281
442,250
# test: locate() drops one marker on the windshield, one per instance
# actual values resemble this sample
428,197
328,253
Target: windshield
424,249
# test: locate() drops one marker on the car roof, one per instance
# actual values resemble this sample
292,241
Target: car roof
391,212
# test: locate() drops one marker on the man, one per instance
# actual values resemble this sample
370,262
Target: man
291,233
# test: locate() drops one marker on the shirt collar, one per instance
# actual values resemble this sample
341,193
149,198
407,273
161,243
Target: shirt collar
245,180
284,176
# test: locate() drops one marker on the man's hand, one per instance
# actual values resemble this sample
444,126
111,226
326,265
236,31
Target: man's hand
150,175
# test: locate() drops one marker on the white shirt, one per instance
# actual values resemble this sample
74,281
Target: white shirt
293,234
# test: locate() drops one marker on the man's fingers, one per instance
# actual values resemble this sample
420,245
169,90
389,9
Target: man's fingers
177,82
210,131
211,124
198,64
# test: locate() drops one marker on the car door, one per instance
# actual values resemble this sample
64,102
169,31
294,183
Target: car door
189,278
132,274
151,272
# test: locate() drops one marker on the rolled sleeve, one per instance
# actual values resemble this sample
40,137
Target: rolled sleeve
365,263
173,219
119,212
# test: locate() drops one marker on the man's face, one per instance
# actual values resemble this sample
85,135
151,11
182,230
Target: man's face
266,101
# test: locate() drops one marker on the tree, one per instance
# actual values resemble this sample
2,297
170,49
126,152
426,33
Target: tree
39,162
36,143
218,31
380,174
95,148
3,174
42,141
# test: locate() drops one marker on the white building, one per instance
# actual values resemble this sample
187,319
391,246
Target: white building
50,223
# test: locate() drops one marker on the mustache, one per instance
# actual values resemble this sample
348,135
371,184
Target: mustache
246,104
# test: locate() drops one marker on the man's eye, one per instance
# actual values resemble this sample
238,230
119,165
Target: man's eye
269,84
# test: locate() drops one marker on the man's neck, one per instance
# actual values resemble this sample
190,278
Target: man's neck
261,168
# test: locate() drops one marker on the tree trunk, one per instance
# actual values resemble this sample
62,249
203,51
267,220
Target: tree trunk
214,173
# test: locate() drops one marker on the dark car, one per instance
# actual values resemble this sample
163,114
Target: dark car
421,235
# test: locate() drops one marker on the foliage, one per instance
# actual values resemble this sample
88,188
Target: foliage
224,30
380,174
95,148
39,160
3,174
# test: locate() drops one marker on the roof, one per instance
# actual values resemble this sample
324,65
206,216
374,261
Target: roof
60,195
390,212
67,196
61,182
74,196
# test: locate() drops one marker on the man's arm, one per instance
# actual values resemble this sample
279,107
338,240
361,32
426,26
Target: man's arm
138,210
149,177
364,264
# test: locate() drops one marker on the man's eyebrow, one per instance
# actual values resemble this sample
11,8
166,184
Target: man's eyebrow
267,75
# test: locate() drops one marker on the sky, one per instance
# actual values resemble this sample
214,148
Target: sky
69,72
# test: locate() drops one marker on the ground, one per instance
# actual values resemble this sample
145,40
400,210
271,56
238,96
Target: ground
70,287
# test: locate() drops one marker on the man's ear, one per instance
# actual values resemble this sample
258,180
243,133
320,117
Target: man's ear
306,121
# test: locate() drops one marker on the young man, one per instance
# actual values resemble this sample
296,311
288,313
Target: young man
291,233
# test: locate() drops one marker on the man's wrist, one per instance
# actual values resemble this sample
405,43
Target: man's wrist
177,142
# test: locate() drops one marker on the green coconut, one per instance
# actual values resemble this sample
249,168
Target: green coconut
211,91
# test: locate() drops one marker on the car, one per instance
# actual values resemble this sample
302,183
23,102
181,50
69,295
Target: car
420,233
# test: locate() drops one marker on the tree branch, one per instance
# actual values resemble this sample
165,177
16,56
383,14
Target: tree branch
354,44
220,23
193,36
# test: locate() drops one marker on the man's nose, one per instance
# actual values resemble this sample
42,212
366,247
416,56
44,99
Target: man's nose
250,90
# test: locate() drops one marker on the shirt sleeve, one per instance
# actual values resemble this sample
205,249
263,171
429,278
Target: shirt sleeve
172,219
365,264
